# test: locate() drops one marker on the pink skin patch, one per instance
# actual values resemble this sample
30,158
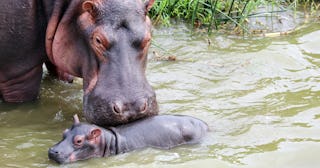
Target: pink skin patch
92,83
72,157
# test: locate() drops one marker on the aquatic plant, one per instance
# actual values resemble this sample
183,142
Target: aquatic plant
216,13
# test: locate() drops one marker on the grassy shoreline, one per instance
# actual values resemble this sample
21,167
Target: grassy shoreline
212,14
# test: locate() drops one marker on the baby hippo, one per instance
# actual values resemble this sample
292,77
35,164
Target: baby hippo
84,141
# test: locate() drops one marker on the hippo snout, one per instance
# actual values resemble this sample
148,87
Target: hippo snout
56,155
120,107
119,110
52,153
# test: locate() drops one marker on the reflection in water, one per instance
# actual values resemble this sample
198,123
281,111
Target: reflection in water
260,97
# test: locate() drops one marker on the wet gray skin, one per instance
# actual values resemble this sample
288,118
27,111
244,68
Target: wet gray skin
105,42
84,141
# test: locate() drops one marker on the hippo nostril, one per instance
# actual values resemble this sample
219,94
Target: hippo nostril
53,151
116,108
144,106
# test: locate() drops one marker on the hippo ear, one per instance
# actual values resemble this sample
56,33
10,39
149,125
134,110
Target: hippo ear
63,43
149,4
76,119
94,133
89,6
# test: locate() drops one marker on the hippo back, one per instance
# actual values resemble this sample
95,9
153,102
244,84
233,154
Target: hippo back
163,131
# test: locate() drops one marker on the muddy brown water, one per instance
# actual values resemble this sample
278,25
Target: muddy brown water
260,96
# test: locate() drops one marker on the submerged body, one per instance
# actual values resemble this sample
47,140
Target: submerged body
105,42
84,141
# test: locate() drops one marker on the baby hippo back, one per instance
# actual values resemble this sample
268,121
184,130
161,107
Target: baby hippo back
164,132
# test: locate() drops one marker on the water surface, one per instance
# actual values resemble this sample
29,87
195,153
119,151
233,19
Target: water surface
260,97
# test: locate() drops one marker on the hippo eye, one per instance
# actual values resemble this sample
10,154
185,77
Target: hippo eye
78,140
98,40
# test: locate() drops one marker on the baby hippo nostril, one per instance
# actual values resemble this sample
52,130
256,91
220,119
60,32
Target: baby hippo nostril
117,107
52,151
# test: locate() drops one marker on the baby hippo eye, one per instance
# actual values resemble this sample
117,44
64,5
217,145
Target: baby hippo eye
78,140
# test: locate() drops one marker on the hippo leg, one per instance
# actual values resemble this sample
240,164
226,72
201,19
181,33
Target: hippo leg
22,88
55,72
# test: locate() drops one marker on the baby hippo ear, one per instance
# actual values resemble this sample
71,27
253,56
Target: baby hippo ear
94,133
76,119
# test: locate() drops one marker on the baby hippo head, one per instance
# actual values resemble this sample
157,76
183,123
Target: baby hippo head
80,142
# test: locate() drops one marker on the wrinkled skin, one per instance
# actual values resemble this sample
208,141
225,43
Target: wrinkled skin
84,141
105,42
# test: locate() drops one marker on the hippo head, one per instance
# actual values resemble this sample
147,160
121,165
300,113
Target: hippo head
105,42
80,142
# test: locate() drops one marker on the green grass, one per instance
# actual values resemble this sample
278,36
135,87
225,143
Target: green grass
212,14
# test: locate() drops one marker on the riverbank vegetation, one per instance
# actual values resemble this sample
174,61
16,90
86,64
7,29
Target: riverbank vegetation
214,14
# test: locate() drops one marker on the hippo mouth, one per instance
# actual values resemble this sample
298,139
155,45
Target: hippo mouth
64,158
59,158
101,115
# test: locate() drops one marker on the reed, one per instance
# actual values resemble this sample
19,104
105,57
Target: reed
212,14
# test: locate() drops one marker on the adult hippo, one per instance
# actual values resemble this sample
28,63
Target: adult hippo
105,42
